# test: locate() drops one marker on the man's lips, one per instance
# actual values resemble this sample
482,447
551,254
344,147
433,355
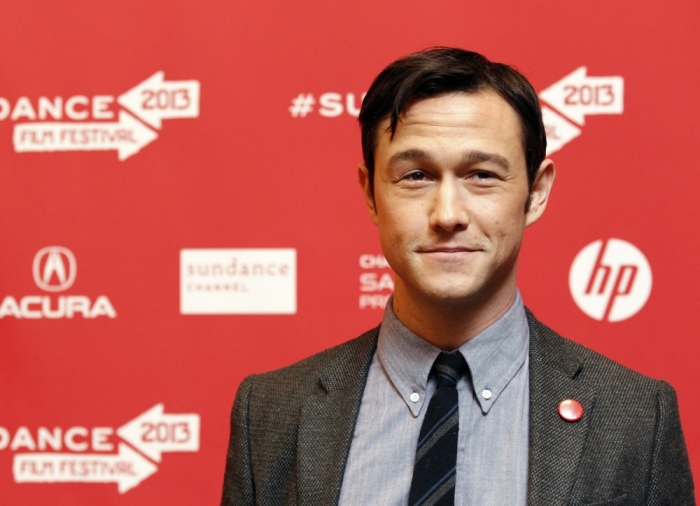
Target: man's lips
447,249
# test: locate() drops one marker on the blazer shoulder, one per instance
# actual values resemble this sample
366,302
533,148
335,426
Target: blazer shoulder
548,345
327,369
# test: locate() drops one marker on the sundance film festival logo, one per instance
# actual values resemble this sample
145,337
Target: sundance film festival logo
238,281
97,123
610,280
574,97
82,454
54,269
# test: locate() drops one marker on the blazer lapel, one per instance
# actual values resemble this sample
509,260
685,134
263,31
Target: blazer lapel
328,421
556,446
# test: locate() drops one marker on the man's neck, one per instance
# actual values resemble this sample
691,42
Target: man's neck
448,325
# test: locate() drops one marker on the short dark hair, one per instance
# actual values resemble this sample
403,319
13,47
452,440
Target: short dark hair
440,70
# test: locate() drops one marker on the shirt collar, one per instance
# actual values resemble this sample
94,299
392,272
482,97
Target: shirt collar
493,356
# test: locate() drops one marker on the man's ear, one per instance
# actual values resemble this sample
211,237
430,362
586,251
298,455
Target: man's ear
540,191
366,186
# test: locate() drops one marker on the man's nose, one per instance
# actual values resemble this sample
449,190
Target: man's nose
449,213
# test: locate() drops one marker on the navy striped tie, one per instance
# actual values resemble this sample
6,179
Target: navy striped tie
435,466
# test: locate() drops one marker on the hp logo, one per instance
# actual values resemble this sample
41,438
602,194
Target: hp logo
610,280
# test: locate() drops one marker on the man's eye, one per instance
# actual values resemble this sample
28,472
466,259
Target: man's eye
416,176
483,175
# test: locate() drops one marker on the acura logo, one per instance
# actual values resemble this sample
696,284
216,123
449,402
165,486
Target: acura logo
54,268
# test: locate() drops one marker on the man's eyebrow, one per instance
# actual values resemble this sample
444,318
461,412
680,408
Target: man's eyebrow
481,156
470,157
410,154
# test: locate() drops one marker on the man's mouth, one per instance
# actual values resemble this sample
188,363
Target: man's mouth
447,249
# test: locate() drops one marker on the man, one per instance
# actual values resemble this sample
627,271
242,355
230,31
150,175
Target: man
461,396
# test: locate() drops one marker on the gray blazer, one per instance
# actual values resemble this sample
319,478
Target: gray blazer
291,430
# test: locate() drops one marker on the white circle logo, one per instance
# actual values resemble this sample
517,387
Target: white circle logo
610,280
54,268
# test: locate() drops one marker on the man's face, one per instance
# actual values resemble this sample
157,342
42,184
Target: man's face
450,192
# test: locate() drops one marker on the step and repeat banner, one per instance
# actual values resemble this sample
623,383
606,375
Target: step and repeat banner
180,208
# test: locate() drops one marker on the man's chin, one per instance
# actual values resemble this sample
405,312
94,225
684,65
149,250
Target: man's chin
455,294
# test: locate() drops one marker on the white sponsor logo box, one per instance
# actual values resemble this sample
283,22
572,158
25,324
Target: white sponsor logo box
238,281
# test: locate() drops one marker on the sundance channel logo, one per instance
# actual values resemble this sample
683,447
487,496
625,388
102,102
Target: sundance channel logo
54,269
238,281
610,280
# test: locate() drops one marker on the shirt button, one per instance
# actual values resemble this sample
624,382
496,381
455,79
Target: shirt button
414,397
486,394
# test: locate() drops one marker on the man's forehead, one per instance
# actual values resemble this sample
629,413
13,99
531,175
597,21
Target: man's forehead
455,116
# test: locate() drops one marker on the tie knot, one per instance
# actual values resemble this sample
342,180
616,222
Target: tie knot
449,367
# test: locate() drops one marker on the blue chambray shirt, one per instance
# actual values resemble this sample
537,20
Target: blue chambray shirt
492,457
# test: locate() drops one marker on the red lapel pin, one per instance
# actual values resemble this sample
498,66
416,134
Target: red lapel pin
570,410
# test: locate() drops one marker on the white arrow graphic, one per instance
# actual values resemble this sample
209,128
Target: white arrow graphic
578,95
127,468
559,131
154,432
127,136
156,99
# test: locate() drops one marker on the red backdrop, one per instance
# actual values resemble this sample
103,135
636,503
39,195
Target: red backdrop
246,142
